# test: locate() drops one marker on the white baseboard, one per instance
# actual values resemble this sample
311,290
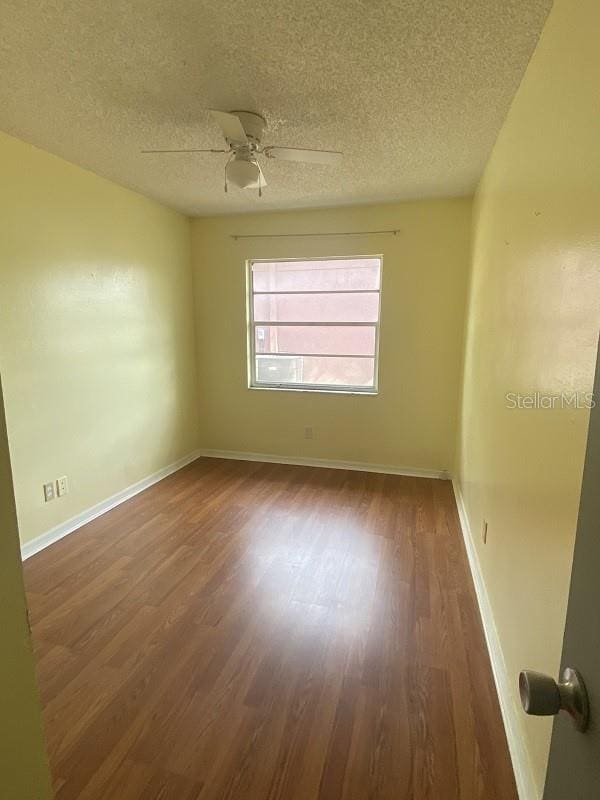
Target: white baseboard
511,712
65,528
358,466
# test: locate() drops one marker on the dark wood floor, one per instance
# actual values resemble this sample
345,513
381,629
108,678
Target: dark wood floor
246,631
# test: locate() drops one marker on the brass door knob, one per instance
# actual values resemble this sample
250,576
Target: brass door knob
542,696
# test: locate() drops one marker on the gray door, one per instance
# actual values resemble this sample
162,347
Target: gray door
574,765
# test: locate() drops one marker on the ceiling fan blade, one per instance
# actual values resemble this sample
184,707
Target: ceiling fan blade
301,154
232,128
184,151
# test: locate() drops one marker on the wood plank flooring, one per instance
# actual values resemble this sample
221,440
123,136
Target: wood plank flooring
264,632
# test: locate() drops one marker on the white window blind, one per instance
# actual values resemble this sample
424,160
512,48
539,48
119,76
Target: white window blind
314,324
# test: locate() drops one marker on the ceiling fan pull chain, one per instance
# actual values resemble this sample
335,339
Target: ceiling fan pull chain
227,163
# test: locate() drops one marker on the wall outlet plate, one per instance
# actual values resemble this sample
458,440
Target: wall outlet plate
308,432
48,492
62,486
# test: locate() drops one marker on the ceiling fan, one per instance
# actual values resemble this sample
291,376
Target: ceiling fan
243,132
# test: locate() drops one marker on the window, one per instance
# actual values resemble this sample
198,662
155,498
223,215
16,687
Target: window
314,325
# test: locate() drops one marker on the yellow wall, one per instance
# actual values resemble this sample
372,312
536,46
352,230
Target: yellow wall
411,423
23,768
96,334
533,325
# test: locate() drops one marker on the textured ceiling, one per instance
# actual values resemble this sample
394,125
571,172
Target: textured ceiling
412,91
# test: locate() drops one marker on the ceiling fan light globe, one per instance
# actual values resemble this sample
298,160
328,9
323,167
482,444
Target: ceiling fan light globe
243,173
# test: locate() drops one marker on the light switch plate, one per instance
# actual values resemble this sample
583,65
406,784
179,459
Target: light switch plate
48,492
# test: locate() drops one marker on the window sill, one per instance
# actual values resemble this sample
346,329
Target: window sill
355,392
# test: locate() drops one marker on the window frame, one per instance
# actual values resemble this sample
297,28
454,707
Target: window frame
251,325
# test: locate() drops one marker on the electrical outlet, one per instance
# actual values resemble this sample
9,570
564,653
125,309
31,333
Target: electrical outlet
48,492
308,432
484,529
62,486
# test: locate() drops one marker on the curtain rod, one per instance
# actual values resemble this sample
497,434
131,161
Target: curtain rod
237,236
